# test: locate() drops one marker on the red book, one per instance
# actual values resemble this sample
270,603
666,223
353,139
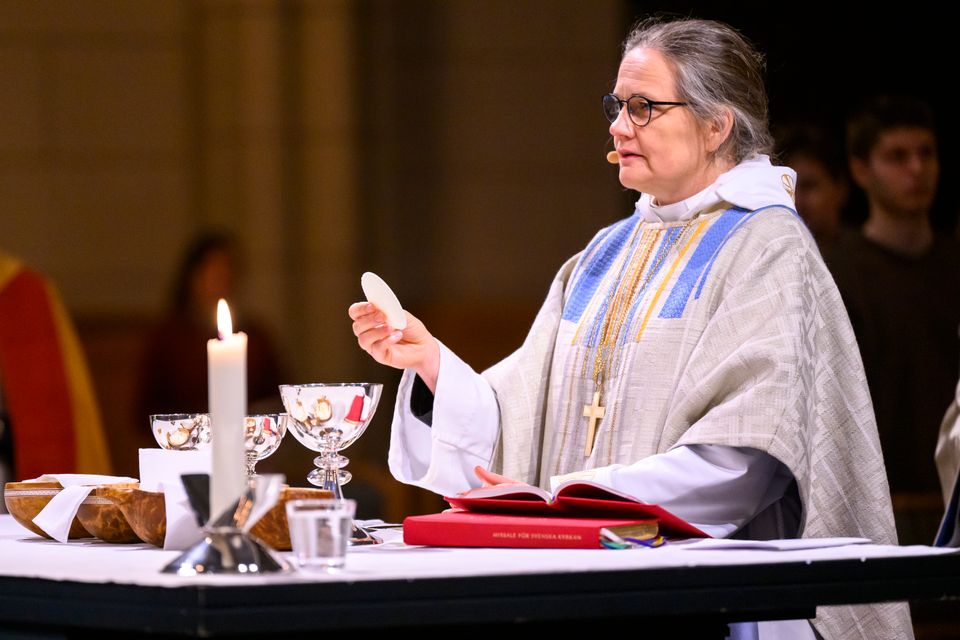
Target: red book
456,528
574,498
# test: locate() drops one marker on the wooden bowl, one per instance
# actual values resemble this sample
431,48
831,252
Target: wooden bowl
146,513
104,519
272,528
24,500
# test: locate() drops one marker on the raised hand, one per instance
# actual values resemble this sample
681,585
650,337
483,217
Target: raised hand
413,348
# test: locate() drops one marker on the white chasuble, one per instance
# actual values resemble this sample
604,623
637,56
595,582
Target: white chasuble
737,337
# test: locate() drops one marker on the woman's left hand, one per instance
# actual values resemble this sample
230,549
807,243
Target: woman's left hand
489,478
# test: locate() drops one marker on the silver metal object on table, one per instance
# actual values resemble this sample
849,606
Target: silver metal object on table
328,418
227,546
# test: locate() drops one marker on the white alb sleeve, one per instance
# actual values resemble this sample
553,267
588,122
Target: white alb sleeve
466,424
713,487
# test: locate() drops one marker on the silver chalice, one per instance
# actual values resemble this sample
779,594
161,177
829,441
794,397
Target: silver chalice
328,418
262,436
181,431
191,432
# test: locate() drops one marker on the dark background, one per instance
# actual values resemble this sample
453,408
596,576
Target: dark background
823,58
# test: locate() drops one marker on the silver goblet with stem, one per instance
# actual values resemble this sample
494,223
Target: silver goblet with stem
191,432
328,418
181,431
262,436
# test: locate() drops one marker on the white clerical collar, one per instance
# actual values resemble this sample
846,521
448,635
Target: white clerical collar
752,184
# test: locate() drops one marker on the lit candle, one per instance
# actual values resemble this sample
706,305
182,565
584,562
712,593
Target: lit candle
227,386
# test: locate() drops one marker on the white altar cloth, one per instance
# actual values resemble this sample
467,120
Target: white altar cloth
23,554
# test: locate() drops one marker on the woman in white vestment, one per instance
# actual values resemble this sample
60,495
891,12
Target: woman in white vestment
695,355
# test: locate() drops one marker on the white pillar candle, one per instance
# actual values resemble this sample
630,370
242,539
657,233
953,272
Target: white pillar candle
227,388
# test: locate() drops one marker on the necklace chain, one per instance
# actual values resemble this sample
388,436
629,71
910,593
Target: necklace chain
610,323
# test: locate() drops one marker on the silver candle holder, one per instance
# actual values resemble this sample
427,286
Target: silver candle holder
227,546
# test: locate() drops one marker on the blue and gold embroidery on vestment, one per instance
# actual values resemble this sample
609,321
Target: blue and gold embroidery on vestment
616,246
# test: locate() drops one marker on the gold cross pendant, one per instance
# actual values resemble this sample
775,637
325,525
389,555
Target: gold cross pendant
594,412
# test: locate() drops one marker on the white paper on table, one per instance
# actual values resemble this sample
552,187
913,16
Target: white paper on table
158,466
182,529
55,518
796,544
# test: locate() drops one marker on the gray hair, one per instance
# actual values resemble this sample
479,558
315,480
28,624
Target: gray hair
715,69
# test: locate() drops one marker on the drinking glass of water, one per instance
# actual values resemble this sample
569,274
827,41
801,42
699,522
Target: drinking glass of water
320,531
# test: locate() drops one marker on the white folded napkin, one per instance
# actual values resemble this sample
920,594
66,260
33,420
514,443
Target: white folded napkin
182,529
266,494
58,515
160,470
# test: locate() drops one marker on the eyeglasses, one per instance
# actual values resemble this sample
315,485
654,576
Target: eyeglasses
639,109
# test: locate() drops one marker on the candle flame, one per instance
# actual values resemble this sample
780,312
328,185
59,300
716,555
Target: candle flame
224,322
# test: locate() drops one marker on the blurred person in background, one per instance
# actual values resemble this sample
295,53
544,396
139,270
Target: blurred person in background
173,373
900,282
49,418
822,186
